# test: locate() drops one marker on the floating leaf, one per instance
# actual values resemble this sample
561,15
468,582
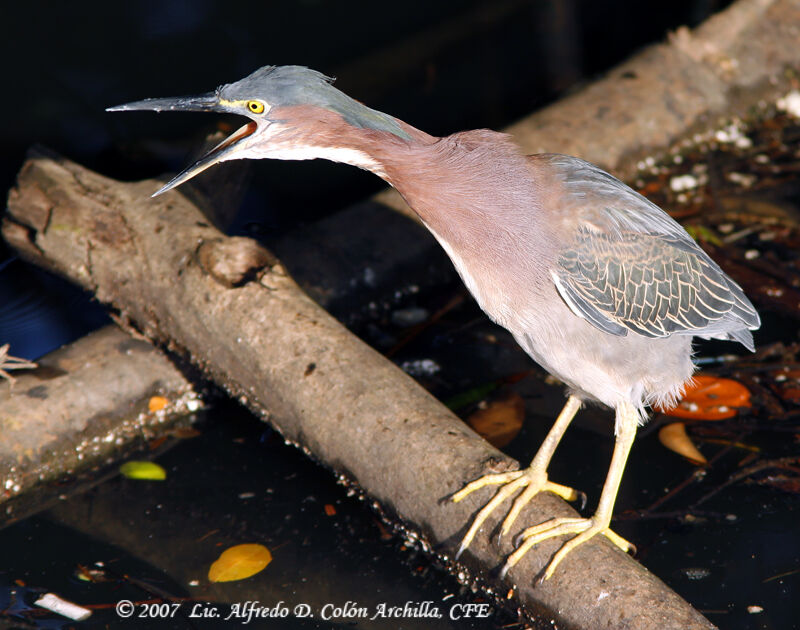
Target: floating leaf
143,470
500,421
239,562
674,437
330,510
710,398
157,403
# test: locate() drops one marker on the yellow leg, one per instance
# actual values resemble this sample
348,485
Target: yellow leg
586,528
533,479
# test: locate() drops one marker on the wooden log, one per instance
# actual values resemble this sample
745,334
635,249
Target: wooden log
252,330
80,405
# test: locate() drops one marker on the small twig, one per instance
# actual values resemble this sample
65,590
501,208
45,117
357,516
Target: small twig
781,575
732,238
784,463
696,475
8,362
675,514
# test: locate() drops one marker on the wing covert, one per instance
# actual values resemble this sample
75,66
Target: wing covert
631,267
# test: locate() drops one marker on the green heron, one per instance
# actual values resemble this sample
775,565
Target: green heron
599,285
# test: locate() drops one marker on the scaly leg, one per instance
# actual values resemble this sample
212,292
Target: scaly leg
586,528
533,479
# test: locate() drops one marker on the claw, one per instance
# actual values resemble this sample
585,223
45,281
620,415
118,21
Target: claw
582,497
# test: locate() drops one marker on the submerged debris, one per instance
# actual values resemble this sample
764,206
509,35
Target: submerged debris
421,367
790,103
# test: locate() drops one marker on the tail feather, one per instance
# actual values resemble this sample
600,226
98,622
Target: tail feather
744,337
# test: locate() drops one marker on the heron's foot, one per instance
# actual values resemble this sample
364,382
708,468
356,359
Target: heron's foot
584,528
532,480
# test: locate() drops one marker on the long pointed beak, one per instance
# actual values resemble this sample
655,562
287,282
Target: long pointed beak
203,103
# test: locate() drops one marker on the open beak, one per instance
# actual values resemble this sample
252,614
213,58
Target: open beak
204,103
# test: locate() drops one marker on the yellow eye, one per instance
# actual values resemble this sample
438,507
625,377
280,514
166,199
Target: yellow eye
257,107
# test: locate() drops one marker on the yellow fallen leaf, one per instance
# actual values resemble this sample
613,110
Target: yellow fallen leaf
239,562
143,470
500,421
674,437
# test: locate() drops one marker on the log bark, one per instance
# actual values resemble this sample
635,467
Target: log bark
79,406
251,329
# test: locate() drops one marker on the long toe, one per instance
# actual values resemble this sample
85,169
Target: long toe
533,481
480,518
496,479
583,528
535,486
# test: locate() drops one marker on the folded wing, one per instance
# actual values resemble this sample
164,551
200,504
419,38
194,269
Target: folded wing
630,267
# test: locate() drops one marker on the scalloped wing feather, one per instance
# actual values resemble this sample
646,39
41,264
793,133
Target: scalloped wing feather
631,267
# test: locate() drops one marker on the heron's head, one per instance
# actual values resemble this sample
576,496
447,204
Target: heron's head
289,109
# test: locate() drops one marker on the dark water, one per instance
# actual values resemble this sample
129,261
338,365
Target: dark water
235,483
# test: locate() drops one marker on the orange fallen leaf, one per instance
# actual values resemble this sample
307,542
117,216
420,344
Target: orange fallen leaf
674,437
710,398
239,562
330,510
157,403
500,421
